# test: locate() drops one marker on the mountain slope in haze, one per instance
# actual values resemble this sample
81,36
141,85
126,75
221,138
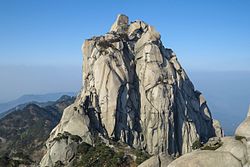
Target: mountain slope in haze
31,98
24,131
22,106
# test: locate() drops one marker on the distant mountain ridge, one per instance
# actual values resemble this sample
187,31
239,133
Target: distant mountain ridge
32,98
25,128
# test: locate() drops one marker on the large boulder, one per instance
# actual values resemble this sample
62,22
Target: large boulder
243,129
243,133
161,160
235,147
62,150
73,121
206,158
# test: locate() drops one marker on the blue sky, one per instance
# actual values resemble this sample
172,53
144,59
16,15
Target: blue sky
207,35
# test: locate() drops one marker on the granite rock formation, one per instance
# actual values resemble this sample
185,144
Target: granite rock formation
231,151
161,160
134,91
206,158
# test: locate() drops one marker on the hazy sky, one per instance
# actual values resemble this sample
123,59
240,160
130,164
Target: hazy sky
40,41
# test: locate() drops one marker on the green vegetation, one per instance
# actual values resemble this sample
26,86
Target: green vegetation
26,131
100,155
196,145
61,136
239,137
16,160
59,164
66,136
76,138
21,155
211,147
141,156
83,148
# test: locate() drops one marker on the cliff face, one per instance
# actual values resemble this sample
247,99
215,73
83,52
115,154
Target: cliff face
135,91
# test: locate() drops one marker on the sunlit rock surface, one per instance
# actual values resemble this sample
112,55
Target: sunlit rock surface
135,91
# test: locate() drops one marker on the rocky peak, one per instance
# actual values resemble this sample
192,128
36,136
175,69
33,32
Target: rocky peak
121,24
135,92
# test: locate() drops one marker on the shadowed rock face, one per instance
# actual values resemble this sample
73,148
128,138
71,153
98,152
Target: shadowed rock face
135,91
231,151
